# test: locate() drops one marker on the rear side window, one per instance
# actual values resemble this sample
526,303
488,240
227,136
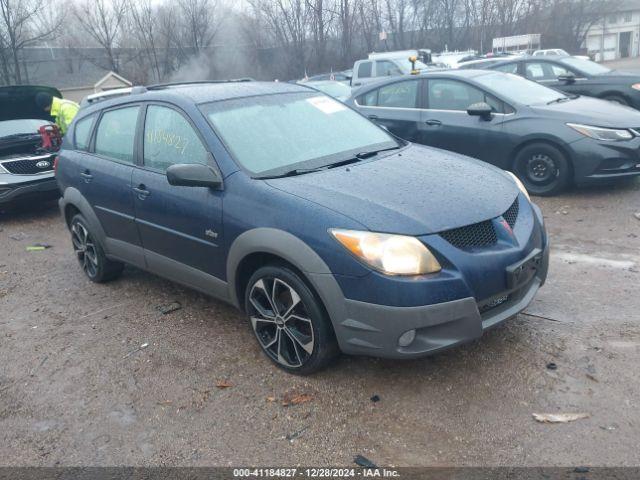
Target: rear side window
385,68
82,132
364,70
116,134
399,95
169,139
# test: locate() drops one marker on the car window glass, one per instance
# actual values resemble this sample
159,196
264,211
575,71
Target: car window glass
508,68
539,71
369,99
169,139
364,70
452,95
82,131
558,71
399,95
386,68
116,133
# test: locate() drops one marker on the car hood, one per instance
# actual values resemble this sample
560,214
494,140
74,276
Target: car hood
419,190
592,111
618,76
18,101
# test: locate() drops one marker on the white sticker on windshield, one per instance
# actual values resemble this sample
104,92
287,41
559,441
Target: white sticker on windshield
326,104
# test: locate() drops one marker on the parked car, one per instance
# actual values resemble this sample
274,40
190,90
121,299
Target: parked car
27,151
386,65
343,76
576,76
337,90
548,139
331,234
556,52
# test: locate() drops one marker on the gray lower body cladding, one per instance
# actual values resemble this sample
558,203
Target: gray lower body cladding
372,329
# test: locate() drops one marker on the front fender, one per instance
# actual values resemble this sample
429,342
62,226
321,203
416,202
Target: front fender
293,250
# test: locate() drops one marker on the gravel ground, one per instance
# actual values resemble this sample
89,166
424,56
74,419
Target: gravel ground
77,389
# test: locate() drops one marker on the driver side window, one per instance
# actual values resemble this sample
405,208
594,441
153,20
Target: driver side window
170,139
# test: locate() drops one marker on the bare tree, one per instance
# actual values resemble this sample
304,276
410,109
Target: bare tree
144,25
102,20
23,23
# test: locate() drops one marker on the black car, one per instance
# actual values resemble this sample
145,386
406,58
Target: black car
548,139
28,143
575,76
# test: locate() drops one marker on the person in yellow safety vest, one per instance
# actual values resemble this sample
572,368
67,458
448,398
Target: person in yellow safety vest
62,110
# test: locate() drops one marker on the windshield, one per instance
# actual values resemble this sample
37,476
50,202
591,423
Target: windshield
585,66
516,89
14,127
272,134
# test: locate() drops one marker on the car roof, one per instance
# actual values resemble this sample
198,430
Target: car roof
216,91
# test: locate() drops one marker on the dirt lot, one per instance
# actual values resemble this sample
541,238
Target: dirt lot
76,389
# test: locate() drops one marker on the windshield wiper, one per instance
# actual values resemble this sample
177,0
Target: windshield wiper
356,158
292,173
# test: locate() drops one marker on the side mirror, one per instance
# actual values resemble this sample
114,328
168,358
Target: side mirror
480,109
568,79
193,175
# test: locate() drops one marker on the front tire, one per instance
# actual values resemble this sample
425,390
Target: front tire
543,169
96,266
289,321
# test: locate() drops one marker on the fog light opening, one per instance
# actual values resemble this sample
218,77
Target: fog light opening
407,338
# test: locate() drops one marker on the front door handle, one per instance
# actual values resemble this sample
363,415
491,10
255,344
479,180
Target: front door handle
373,117
141,191
433,121
87,176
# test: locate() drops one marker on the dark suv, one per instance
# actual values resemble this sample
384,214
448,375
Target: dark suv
330,233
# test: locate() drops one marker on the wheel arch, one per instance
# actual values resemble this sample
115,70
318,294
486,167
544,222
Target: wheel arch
72,203
260,246
615,93
549,141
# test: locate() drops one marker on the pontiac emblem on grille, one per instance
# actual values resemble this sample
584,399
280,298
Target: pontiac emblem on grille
506,226
43,164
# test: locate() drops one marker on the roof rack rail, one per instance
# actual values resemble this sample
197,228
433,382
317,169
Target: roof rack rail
160,86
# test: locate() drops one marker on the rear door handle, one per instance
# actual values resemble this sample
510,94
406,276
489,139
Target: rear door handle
142,191
433,121
87,176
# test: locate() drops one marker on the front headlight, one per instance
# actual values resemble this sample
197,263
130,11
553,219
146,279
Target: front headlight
390,254
636,86
599,133
520,185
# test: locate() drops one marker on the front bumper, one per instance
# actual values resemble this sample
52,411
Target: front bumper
15,188
476,291
595,161
372,329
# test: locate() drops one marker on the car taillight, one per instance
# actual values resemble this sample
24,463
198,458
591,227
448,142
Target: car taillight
55,163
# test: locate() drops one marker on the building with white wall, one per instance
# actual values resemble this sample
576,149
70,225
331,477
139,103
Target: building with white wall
618,34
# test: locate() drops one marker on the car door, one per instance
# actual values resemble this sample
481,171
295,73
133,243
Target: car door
395,106
449,125
364,73
105,172
554,75
180,227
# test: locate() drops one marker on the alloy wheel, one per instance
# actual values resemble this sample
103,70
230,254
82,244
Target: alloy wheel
85,249
281,322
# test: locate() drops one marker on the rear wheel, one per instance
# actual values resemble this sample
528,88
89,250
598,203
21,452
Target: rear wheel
90,254
289,322
543,169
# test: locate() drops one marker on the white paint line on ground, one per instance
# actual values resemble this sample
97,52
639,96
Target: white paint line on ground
573,257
